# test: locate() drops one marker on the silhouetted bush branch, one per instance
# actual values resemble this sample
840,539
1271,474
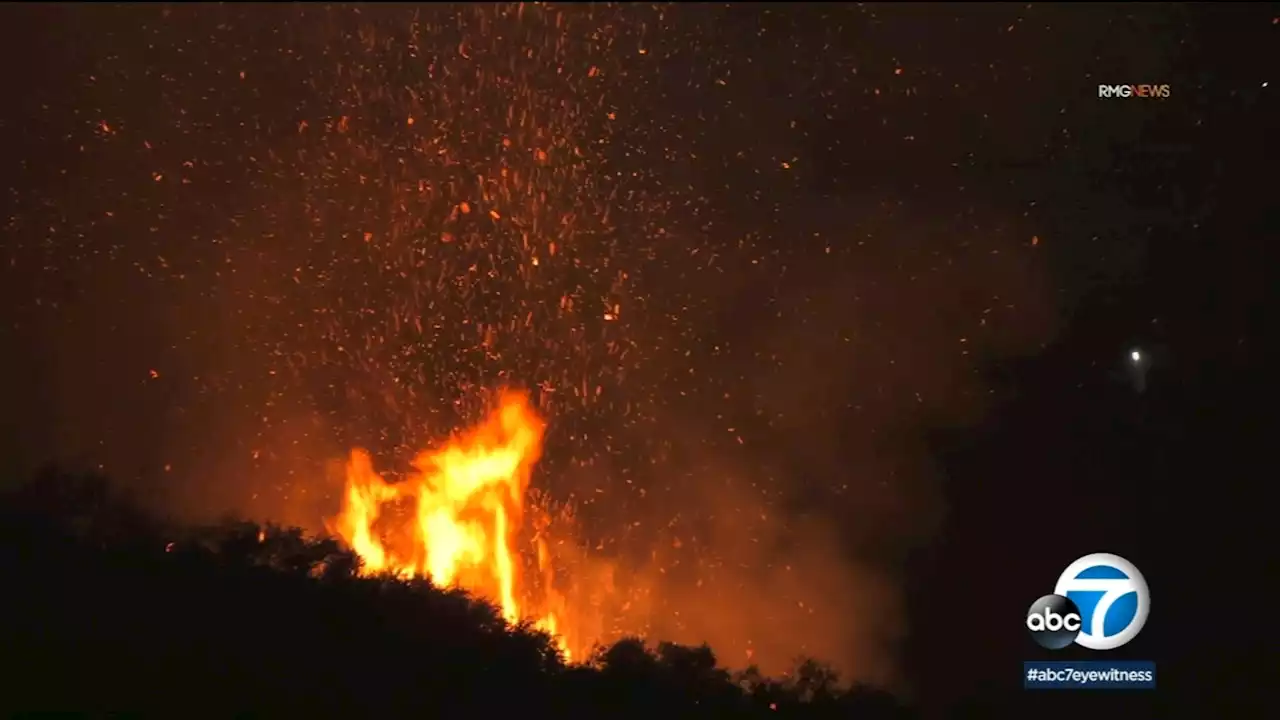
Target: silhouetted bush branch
115,610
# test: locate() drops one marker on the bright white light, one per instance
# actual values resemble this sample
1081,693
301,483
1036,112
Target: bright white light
1135,356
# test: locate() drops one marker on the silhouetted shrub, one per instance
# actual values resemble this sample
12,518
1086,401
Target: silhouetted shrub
111,610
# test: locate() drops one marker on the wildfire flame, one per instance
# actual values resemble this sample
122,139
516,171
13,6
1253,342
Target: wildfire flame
462,511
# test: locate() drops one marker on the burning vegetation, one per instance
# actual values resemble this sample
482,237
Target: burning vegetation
232,615
459,519
363,219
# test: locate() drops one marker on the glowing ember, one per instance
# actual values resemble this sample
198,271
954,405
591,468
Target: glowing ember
465,509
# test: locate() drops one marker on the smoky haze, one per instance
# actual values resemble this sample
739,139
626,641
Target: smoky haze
783,496
240,260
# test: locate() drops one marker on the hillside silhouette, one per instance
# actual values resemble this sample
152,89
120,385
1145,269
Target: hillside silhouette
110,609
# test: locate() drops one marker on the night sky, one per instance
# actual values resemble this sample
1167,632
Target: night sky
749,260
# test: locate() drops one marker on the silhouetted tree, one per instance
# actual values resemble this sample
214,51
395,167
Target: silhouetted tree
112,610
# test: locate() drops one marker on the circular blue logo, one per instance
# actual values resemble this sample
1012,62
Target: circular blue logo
1111,596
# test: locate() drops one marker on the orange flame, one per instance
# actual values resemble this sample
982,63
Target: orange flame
468,506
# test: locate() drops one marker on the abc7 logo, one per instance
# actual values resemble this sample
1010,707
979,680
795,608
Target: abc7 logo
1113,594
1054,622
